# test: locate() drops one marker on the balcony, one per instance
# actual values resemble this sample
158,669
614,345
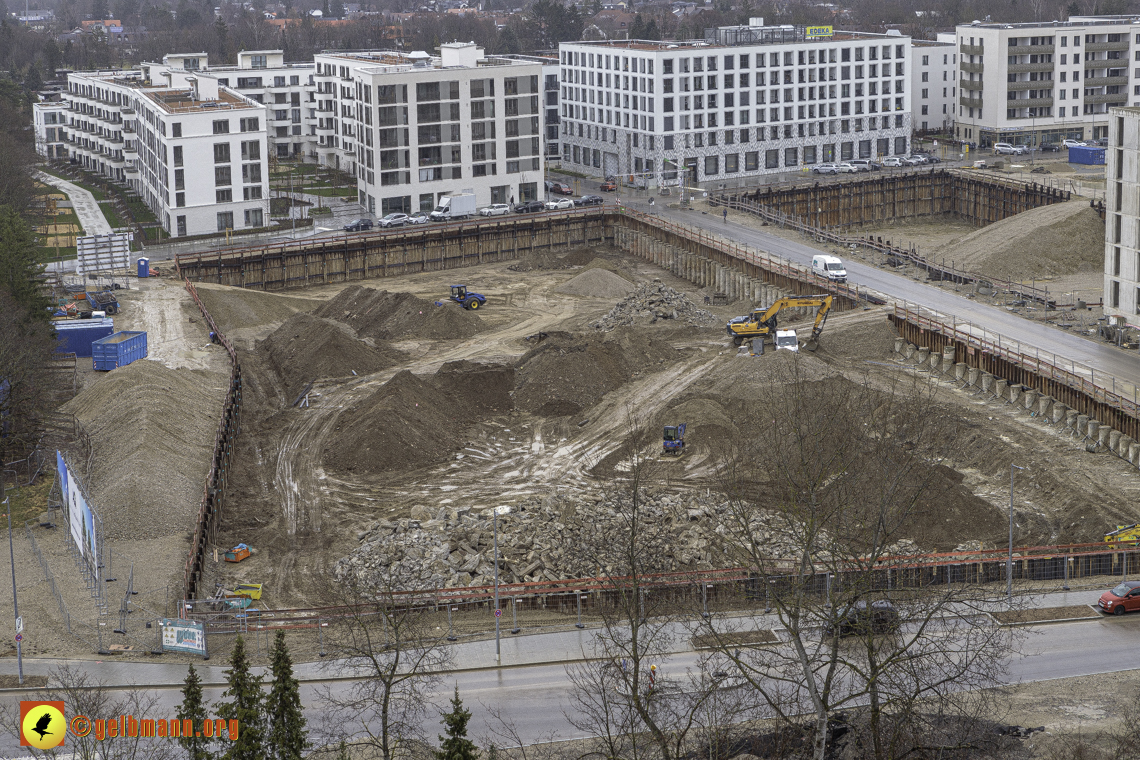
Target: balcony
975,68
1029,103
1105,81
1025,68
131,168
970,102
1100,47
1112,97
1034,49
973,50
970,84
130,147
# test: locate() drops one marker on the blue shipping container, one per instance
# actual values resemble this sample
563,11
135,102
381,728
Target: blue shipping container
118,350
1089,155
77,335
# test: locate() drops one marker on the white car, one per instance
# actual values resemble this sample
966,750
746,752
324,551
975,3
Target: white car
393,220
495,209
826,169
559,204
848,169
893,161
1072,143
1005,149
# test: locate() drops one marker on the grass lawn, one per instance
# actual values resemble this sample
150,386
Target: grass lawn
142,212
99,194
155,234
44,254
30,502
113,218
331,192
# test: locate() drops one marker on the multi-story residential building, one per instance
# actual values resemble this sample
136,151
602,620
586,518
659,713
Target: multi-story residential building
1122,223
49,121
746,101
413,128
286,89
550,115
934,76
1038,83
193,150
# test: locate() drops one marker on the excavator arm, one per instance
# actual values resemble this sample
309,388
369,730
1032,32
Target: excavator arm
760,323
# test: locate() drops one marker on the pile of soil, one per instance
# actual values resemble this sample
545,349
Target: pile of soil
382,315
152,435
596,283
237,308
307,348
412,421
1061,239
566,373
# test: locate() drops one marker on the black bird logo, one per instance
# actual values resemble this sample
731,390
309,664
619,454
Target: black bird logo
42,724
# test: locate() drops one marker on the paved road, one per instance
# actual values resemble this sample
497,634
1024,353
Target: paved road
84,203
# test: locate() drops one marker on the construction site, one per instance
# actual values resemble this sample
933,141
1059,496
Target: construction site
348,411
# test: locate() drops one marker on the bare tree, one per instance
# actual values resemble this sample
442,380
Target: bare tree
847,473
390,641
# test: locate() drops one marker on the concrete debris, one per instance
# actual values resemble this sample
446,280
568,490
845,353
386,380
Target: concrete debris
652,302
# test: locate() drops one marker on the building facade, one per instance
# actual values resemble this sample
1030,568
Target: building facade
413,128
1039,83
194,151
50,122
1122,222
746,101
934,88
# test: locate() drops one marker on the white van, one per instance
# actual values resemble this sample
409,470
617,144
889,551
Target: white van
830,267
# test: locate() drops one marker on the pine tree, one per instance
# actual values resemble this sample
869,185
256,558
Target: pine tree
19,270
193,708
246,706
283,712
456,746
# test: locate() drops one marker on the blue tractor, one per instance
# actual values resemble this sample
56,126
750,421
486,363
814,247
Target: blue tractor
466,299
674,442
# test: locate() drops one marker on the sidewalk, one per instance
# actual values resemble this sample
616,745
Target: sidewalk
517,651
84,203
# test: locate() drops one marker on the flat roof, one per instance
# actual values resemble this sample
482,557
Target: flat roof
180,101
746,37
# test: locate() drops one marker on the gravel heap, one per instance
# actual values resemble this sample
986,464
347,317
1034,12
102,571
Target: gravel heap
596,283
541,539
652,302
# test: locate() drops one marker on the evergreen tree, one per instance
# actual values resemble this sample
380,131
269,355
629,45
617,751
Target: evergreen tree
19,269
246,706
193,708
283,711
342,751
456,745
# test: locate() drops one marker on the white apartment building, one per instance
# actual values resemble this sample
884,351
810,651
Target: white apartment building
1122,223
746,101
934,88
1043,82
193,150
412,128
49,120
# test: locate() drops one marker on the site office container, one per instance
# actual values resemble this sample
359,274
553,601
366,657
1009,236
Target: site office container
77,335
1088,154
118,350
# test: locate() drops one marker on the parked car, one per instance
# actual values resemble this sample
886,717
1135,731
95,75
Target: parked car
865,164
590,200
611,178
393,220
913,160
608,186
358,225
931,158
561,188
1067,143
561,203
825,169
495,209
848,168
1051,148
892,161
1123,598
529,207
420,217
863,618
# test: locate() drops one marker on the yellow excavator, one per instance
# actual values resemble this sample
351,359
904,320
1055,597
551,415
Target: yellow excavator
1124,534
762,322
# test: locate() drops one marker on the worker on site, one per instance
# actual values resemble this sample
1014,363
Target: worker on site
726,215
214,337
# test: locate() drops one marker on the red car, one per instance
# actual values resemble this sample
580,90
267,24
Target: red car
609,186
561,188
1123,598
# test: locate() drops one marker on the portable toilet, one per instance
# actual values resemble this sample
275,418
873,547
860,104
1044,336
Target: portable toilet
144,268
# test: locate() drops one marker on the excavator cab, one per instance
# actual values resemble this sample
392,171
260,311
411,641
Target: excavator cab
761,323
674,439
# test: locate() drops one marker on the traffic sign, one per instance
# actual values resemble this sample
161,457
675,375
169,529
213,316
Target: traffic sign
498,613
19,637
20,624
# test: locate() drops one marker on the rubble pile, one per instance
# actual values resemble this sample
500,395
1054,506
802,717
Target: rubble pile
652,302
542,538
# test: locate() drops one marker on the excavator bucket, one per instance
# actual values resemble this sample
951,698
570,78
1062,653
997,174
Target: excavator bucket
811,344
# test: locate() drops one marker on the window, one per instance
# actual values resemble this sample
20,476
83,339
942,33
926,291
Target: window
181,221
791,157
178,155
225,221
222,127
252,193
253,217
179,179
250,150
221,153
247,125
925,60
176,129
223,196
221,176
772,159
250,173
712,163
257,61
180,200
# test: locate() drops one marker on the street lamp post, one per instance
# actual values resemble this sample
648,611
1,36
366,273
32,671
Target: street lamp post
1009,559
498,612
12,554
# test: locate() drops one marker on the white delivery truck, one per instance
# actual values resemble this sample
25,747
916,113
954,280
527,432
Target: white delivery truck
830,267
458,206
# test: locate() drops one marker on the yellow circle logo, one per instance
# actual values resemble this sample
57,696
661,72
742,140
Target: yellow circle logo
44,727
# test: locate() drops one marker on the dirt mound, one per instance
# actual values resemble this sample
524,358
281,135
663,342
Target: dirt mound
1064,238
652,302
383,315
237,308
483,388
580,257
152,433
307,348
564,375
408,422
596,283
